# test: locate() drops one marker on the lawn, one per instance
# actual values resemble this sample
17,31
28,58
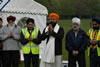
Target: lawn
67,25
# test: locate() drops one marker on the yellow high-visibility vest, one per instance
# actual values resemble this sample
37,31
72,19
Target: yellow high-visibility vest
30,46
97,38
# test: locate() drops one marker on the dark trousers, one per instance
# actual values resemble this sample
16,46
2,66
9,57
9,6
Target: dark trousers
1,59
80,58
94,58
30,57
11,58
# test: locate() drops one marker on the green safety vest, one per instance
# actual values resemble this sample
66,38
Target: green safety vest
30,46
90,34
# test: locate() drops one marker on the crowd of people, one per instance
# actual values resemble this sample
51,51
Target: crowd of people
76,42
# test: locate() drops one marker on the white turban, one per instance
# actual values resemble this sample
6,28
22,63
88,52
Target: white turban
76,20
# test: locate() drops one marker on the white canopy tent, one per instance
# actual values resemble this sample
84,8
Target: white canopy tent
24,8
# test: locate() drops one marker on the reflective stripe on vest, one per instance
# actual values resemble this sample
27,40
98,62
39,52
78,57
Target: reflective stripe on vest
30,46
91,37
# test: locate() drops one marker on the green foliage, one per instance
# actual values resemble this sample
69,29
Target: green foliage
94,6
66,8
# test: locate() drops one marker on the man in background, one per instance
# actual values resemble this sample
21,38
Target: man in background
10,36
75,43
1,45
94,42
52,50
30,39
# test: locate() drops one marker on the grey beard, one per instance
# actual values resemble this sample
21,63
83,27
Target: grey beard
11,25
76,28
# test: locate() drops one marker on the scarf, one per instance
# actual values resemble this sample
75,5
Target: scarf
49,48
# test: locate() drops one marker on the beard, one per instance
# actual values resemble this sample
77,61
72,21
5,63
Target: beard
11,25
76,28
96,28
53,24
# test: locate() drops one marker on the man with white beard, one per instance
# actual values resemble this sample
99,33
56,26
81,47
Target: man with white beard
10,34
75,43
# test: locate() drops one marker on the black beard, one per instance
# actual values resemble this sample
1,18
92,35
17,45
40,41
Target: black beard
31,28
96,28
53,24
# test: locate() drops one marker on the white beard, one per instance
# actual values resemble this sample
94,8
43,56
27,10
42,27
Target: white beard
76,28
11,26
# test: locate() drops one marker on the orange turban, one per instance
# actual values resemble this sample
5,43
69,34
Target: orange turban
56,16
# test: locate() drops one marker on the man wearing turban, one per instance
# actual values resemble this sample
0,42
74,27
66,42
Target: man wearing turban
10,36
52,49
94,43
75,43
1,44
30,39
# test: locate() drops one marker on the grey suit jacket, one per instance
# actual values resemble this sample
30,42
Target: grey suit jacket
10,43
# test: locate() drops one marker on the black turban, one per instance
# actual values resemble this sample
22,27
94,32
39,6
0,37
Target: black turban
96,19
30,20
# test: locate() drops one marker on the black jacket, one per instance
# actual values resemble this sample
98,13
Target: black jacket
1,45
58,39
76,43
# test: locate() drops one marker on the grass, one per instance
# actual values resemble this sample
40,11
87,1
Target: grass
67,25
